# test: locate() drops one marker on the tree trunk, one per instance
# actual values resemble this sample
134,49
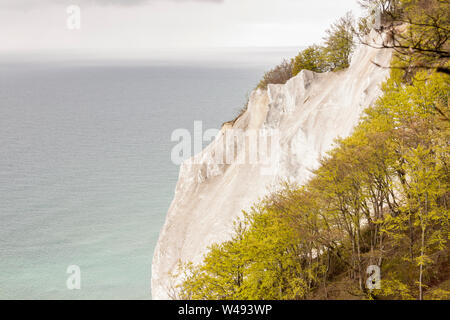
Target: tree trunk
411,237
358,247
422,251
422,247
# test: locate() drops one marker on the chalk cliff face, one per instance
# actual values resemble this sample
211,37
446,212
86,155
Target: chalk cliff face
308,112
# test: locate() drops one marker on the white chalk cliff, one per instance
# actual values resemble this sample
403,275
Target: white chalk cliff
309,112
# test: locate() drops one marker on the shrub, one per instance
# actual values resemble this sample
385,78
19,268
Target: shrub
278,75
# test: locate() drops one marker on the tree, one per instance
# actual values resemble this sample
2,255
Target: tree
312,58
385,7
418,32
339,43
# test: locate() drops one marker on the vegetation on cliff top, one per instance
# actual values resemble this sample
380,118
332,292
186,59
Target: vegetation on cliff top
334,55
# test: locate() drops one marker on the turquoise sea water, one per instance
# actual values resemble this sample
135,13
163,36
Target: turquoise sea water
85,172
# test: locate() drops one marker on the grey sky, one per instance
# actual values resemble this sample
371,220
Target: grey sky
139,25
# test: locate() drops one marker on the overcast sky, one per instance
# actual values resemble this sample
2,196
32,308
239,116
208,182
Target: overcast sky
30,25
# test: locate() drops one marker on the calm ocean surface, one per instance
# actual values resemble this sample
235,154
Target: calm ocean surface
85,172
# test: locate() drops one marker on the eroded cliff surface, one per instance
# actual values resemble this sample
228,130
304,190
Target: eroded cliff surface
308,112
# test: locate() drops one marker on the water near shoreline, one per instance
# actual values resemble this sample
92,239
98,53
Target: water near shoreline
85,172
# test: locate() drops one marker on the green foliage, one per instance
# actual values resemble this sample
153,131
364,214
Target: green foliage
259,263
339,43
418,31
426,43
334,56
312,58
